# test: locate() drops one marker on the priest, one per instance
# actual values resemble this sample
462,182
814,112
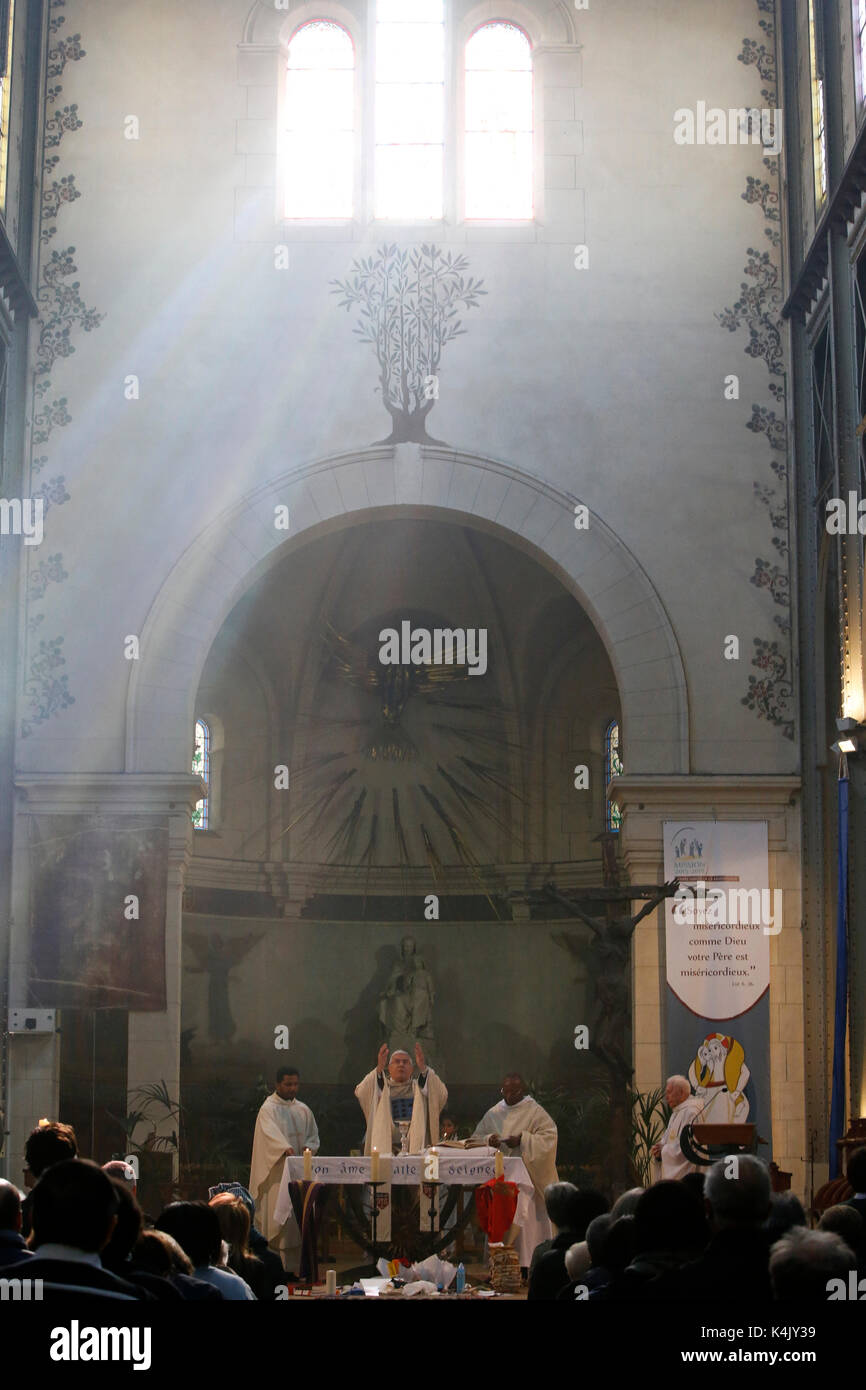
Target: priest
284,1126
522,1129
388,1096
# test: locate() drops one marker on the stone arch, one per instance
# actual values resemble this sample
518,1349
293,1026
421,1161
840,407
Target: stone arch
408,479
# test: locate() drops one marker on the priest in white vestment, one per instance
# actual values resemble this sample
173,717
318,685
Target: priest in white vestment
284,1126
386,1097
522,1129
685,1110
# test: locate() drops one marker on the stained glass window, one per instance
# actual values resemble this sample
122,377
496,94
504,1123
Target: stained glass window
860,46
410,109
201,767
498,173
819,130
320,119
612,768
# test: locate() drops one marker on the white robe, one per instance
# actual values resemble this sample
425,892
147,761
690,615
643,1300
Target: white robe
280,1125
538,1136
428,1103
674,1162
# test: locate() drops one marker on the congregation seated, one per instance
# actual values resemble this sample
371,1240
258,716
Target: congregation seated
845,1221
74,1214
736,1257
45,1145
786,1214
857,1178
196,1228
570,1211
117,1255
669,1230
257,1242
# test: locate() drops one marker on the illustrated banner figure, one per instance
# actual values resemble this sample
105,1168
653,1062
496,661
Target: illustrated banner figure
717,949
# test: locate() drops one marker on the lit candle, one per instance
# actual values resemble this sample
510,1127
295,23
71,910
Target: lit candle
499,1164
374,1166
308,1165
432,1166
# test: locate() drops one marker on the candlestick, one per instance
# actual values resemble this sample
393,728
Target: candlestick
374,1166
308,1165
499,1164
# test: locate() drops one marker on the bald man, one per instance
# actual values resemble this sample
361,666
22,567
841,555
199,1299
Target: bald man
388,1097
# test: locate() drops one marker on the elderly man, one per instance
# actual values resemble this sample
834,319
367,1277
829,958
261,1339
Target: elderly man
685,1109
386,1099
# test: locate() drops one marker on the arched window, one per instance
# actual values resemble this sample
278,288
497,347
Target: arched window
612,768
410,109
498,150
319,127
201,767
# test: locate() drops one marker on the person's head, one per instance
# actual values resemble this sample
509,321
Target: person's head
128,1227
857,1170
400,1067
577,1261
737,1192
513,1088
786,1212
288,1081
846,1222
159,1253
73,1203
620,1244
677,1089
626,1203
694,1182
234,1224
447,1126
196,1229
235,1189
670,1218
10,1207
596,1237
47,1144
125,1172
803,1262
571,1209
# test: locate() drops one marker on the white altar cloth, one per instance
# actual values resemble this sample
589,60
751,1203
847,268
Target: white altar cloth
469,1167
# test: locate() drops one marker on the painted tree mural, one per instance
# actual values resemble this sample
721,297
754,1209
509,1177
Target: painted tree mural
409,302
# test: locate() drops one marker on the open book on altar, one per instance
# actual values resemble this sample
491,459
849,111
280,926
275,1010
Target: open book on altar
474,1143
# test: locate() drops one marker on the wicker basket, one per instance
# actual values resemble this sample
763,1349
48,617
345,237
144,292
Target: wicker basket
504,1269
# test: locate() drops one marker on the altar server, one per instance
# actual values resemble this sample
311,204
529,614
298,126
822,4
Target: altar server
284,1126
519,1126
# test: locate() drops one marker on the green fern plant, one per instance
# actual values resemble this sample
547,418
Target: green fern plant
649,1118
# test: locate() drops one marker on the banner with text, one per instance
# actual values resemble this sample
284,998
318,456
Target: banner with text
717,949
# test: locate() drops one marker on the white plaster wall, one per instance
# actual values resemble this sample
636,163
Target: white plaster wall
608,383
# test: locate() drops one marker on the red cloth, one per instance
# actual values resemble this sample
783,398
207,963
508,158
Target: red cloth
496,1203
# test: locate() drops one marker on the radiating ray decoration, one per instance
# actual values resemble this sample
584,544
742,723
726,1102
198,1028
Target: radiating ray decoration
425,735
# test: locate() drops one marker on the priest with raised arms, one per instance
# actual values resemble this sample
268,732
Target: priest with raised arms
386,1097
284,1126
522,1129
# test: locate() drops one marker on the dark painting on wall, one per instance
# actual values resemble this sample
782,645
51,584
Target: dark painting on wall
97,914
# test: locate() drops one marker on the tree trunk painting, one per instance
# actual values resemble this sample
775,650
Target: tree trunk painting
408,302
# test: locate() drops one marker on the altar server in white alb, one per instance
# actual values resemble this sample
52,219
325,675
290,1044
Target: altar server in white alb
685,1110
284,1126
522,1129
388,1097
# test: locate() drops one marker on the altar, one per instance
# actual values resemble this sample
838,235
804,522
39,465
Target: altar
457,1167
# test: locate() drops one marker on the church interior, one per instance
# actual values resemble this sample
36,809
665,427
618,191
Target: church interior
431,616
